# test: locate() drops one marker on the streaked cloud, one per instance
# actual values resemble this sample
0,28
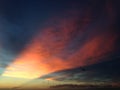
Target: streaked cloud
107,71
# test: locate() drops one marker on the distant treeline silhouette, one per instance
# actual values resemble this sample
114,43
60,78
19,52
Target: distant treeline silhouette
85,86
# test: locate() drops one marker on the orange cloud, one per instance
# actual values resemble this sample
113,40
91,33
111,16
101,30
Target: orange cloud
94,50
43,54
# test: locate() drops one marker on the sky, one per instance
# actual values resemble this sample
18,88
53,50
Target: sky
43,39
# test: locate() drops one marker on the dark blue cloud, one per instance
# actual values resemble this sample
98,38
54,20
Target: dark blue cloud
107,71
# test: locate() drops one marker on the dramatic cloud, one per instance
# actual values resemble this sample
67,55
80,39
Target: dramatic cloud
77,37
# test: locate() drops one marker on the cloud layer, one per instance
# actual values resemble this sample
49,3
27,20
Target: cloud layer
76,37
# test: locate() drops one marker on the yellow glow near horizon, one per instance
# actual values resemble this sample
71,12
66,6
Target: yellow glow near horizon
9,82
25,68
27,65
35,61
31,64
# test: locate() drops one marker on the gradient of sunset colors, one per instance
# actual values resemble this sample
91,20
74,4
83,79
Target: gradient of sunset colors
39,38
